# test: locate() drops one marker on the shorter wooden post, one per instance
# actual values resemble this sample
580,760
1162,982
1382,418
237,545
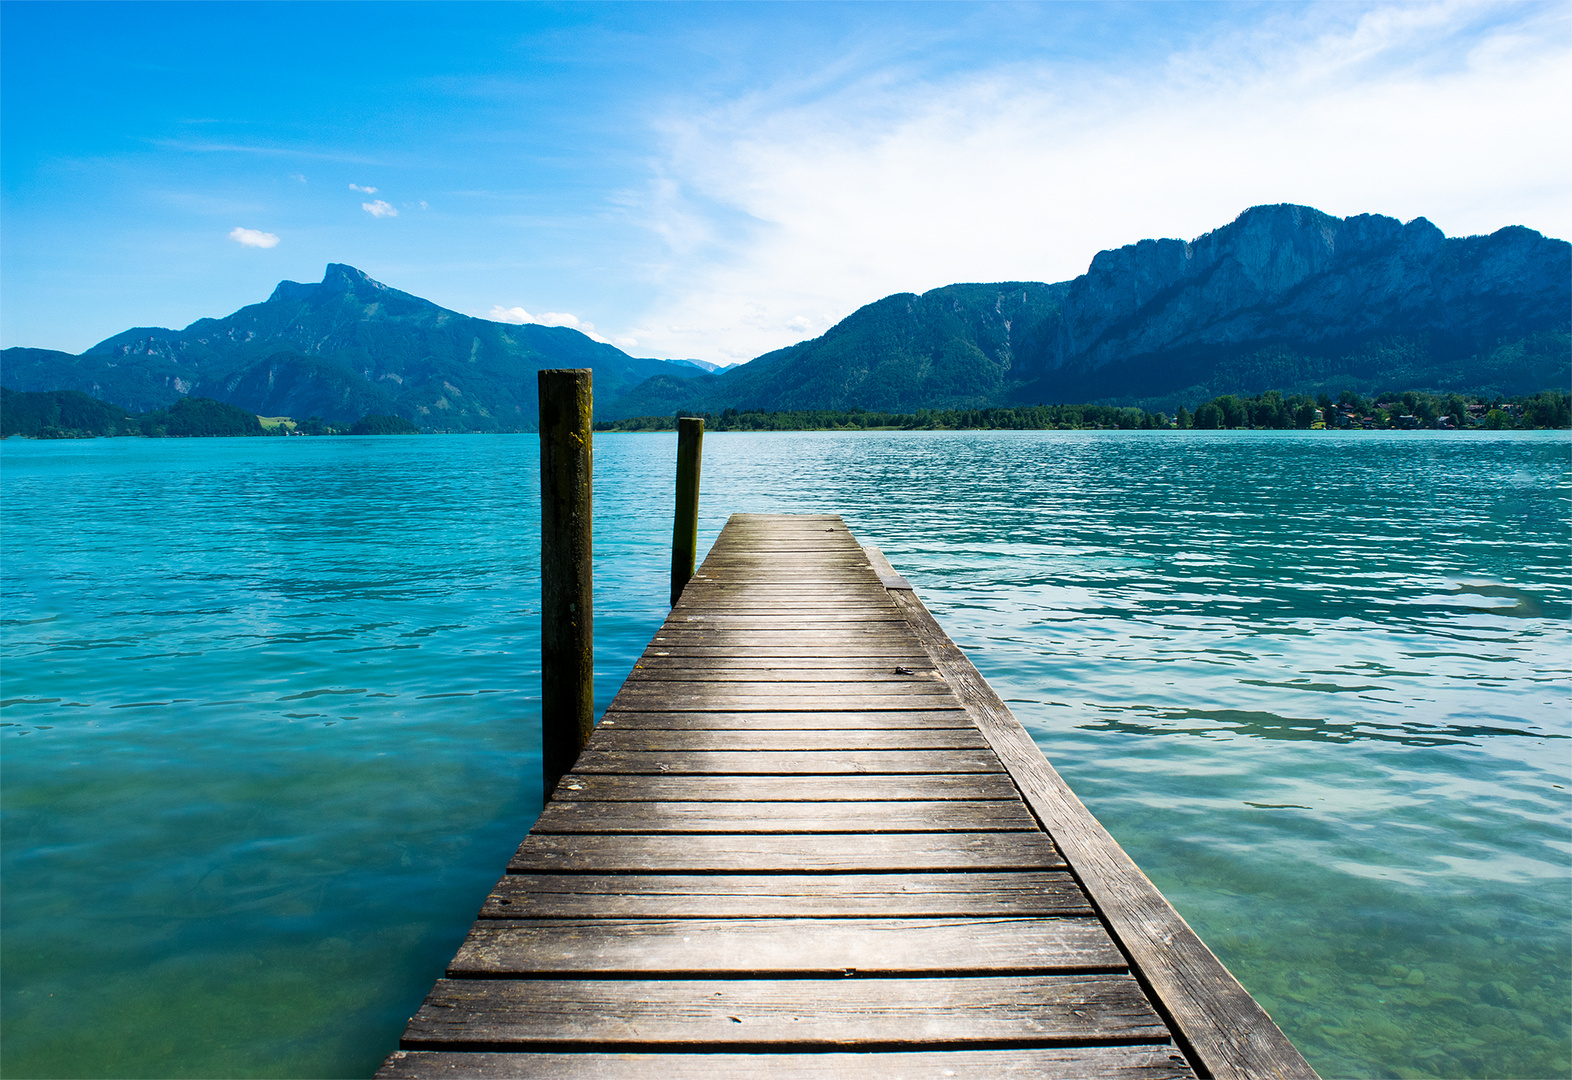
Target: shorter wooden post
567,638
685,527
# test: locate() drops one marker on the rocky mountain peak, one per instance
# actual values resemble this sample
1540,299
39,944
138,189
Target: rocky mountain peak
339,278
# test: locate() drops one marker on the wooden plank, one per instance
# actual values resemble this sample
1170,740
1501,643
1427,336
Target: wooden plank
766,702
612,739
789,721
712,896
877,634
796,1012
602,788
797,948
1226,1030
658,690
791,620
643,684
787,763
856,650
723,666
776,675
561,816
872,852
1136,1062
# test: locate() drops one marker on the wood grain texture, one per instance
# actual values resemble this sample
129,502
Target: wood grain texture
785,763
724,720
786,854
1139,1062
1228,1032
686,697
561,816
774,673
796,1012
611,739
705,896
794,947
592,787
906,651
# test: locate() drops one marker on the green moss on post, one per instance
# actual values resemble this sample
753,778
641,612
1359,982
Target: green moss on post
567,640
685,527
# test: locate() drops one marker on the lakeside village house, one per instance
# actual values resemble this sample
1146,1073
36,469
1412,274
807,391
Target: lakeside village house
1344,416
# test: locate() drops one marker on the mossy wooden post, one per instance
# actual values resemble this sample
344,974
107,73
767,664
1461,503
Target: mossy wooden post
567,642
685,528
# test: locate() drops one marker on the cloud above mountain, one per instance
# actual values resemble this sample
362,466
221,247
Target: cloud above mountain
253,238
785,208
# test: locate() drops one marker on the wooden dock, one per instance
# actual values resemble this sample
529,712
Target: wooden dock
807,839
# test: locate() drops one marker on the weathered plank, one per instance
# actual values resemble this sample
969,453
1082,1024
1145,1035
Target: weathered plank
720,720
800,1012
785,763
618,738
718,619
794,947
639,687
1135,1062
708,854
827,669
596,787
909,652
690,896
874,634
773,674
717,701
1226,1030
561,816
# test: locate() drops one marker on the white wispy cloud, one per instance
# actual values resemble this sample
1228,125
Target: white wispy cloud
378,208
782,212
519,316
255,238
363,190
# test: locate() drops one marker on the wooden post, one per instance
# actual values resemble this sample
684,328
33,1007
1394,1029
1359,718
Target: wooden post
685,527
567,640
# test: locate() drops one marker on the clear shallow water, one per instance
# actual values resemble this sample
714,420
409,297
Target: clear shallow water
271,712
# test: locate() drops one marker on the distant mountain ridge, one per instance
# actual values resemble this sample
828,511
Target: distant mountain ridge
1284,297
338,349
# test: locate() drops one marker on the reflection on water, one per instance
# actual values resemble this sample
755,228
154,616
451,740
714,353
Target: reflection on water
270,717
1264,725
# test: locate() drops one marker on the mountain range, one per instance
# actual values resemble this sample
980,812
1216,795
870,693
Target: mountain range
341,349
1284,297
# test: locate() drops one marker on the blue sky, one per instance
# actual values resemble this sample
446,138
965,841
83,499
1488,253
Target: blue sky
717,180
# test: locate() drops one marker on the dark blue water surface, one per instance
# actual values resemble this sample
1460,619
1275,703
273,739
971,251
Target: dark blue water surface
271,712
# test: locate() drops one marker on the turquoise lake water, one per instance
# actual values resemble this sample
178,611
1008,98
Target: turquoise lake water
271,716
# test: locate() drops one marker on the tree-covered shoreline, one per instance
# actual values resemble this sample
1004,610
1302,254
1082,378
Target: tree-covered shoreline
1413,409
71,414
